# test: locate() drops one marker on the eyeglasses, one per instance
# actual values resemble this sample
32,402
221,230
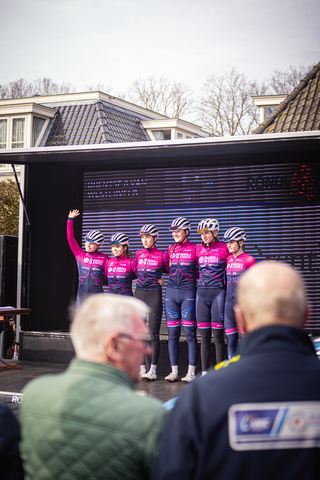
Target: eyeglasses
115,242
135,336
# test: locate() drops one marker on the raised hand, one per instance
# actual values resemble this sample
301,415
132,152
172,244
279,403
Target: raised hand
73,213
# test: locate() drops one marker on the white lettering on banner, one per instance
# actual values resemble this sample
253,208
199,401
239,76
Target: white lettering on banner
16,399
274,425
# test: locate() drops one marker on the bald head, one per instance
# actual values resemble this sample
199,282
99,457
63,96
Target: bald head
271,293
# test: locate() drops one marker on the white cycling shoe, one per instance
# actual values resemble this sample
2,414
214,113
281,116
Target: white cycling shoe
188,378
149,376
172,377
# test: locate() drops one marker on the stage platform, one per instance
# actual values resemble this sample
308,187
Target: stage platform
56,347
12,382
42,353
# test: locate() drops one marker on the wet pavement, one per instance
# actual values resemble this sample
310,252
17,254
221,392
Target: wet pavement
13,381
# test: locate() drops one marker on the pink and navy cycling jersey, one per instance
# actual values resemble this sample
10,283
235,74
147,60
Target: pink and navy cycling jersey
235,268
183,265
90,265
212,262
151,264
120,271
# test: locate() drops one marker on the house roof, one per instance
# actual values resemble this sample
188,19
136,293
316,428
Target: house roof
300,111
91,122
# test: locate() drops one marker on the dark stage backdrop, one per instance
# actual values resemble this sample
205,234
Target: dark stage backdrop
277,205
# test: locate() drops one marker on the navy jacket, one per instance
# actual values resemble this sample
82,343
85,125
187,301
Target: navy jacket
202,437
10,461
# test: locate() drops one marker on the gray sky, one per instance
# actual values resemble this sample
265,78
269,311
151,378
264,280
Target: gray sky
116,41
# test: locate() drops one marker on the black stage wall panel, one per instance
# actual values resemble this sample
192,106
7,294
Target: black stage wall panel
52,190
276,204
8,270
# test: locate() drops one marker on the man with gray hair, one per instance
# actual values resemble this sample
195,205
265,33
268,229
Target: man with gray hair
88,422
257,416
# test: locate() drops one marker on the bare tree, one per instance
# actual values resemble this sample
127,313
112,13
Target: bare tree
41,86
3,90
283,82
18,89
226,106
172,99
46,86
97,87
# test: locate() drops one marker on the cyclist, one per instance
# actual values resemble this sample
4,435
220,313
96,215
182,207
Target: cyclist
211,290
121,269
90,262
180,298
237,263
151,264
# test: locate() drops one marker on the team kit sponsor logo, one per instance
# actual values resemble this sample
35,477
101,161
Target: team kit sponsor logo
117,269
145,261
94,261
274,425
209,259
237,266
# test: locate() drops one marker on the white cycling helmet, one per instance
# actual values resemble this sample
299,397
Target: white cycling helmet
95,236
149,230
208,225
180,223
121,238
236,234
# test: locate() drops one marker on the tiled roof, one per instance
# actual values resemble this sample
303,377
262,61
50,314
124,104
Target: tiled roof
92,122
300,111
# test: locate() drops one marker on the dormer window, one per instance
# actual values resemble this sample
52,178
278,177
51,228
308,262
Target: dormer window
22,126
161,134
267,103
172,129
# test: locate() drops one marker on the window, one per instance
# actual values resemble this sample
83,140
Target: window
162,134
179,135
17,133
268,111
12,132
3,133
36,129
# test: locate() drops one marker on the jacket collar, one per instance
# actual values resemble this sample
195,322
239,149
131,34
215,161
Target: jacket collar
281,337
101,370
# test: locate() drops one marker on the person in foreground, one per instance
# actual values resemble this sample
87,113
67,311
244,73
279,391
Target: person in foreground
258,415
10,461
89,422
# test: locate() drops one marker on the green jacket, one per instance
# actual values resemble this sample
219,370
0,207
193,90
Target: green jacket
88,423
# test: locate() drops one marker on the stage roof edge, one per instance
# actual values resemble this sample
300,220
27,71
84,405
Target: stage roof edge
225,149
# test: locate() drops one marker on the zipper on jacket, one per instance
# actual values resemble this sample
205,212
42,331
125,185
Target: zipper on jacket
178,266
114,277
145,267
89,276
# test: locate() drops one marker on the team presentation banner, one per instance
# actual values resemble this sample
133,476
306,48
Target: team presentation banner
278,205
